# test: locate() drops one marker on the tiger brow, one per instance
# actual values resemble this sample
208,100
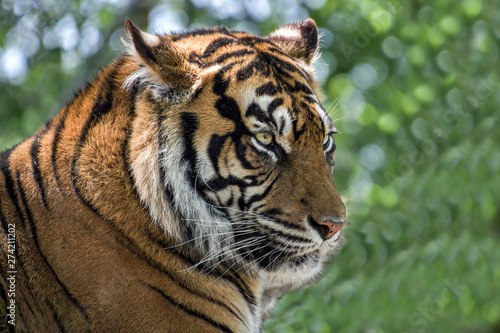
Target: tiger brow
266,117
325,119
255,110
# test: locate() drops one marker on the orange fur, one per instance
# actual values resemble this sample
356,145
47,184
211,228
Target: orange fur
123,221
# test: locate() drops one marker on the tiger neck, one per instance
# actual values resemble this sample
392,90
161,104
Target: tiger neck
158,192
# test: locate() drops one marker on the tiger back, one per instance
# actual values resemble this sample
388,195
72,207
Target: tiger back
188,187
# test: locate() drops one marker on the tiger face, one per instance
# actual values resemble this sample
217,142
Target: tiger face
245,150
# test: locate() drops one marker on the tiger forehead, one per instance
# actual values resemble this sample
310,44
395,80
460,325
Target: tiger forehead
285,112
274,86
213,41
213,47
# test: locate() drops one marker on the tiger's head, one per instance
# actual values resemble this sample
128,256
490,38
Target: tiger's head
232,152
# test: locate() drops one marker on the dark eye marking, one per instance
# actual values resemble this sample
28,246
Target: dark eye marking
255,110
274,105
266,89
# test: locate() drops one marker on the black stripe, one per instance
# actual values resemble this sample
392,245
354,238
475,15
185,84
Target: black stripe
55,144
241,152
34,233
229,109
258,197
215,45
125,146
102,105
132,245
37,175
298,132
214,149
192,312
19,261
240,285
13,198
224,41
3,221
202,32
220,85
256,111
247,71
190,124
288,65
274,105
59,128
167,188
20,269
251,40
267,89
9,182
266,61
306,90
272,230
287,224
243,288
226,56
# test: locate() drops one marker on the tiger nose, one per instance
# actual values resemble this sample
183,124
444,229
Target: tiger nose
327,228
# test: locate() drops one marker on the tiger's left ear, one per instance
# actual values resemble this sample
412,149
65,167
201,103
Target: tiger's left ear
299,40
165,69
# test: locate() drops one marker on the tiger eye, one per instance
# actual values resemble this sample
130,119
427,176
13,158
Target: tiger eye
264,138
326,141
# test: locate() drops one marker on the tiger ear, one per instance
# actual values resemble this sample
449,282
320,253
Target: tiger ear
166,70
299,40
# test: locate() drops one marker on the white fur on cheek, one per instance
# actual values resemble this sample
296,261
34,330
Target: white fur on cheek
210,230
145,166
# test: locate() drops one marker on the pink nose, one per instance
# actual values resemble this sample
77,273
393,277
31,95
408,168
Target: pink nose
329,228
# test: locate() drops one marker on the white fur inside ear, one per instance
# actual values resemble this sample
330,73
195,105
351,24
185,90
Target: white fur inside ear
287,32
150,40
144,74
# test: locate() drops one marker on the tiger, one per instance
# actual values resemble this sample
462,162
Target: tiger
187,188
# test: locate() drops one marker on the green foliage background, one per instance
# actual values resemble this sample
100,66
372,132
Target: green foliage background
414,86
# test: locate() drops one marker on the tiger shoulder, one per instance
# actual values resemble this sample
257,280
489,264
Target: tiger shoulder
188,187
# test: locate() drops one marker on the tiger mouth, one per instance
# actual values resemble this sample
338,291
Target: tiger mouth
272,259
271,254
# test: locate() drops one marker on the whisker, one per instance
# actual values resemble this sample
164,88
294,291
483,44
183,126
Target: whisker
342,188
255,260
242,233
335,120
234,232
274,260
233,247
337,101
254,242
247,253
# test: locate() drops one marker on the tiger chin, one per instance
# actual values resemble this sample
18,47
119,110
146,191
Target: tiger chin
186,188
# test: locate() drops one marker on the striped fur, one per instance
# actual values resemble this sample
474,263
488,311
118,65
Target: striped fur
149,203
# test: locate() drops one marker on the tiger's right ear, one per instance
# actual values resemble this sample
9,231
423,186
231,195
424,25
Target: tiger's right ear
162,66
299,40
